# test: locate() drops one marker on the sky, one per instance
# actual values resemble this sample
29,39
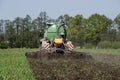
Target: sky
10,9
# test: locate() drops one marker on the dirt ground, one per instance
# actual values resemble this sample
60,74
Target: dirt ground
74,66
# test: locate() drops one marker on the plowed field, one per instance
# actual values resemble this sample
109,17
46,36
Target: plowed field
74,66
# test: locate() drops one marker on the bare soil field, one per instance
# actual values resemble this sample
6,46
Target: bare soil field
74,66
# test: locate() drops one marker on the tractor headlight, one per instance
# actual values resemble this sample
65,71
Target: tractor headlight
58,41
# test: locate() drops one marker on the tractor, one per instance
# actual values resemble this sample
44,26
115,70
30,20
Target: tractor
55,38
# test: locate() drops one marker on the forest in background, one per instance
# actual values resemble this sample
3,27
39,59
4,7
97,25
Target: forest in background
96,31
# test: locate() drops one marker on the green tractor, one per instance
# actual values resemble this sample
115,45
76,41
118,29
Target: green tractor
55,38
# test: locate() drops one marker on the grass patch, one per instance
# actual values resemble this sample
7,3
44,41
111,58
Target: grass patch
14,66
103,51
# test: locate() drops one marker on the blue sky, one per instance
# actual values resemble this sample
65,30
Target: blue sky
10,9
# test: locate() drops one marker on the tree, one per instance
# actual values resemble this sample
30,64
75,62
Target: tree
26,33
10,33
41,22
65,18
117,19
117,22
1,25
35,34
96,26
1,31
38,28
76,29
18,25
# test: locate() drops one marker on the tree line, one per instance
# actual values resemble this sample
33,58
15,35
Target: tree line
93,30
25,32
